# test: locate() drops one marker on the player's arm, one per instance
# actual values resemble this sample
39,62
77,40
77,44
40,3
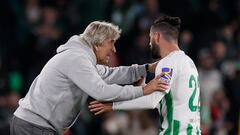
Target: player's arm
124,74
144,102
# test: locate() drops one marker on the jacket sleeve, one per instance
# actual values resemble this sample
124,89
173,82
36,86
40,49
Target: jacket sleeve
84,74
145,102
122,74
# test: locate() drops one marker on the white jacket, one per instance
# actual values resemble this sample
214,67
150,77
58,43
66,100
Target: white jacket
56,94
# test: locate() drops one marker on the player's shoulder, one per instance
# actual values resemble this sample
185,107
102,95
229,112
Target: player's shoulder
173,58
169,62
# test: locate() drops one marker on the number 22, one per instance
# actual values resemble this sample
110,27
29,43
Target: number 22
193,83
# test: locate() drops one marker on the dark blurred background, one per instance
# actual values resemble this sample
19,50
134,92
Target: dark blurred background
31,30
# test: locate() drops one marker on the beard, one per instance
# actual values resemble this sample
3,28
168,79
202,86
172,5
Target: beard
105,61
155,51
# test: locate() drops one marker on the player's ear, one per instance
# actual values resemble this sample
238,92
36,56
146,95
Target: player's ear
158,36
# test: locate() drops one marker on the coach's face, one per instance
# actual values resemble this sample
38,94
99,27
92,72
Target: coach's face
155,49
105,51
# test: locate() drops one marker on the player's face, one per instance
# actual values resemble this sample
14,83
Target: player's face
105,51
155,49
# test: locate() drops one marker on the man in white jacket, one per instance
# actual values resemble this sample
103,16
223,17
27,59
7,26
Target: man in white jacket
76,71
179,105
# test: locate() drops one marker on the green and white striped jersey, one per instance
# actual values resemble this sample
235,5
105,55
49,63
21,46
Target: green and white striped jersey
179,107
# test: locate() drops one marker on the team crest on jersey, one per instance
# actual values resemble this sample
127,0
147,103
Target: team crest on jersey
168,74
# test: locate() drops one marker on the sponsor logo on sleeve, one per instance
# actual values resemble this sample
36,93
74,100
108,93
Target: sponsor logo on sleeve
168,74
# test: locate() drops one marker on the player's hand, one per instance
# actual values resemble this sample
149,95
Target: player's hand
155,85
152,67
99,108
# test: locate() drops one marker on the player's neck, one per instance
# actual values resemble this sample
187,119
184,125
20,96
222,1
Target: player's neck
168,48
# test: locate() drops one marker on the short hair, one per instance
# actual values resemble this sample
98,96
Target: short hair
98,31
168,26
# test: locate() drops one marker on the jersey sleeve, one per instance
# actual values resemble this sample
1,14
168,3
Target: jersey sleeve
152,100
168,67
145,102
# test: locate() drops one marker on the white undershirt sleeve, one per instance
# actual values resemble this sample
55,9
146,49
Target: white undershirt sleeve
144,102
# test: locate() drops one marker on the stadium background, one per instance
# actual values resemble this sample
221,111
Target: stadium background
31,30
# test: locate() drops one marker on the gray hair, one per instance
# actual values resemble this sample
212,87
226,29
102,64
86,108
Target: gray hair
98,31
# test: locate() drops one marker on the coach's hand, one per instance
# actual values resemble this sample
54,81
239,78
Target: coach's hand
155,85
99,108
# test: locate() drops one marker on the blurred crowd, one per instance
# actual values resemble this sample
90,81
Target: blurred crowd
31,30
